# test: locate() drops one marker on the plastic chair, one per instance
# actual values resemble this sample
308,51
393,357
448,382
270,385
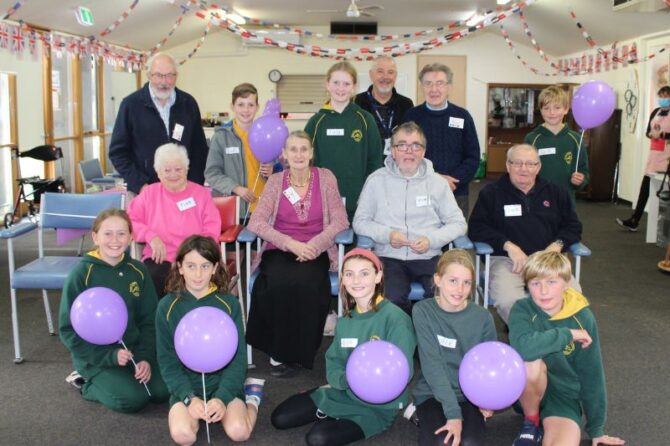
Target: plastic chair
345,237
92,175
71,211
483,252
229,209
416,290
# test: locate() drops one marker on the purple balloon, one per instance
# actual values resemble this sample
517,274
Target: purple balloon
272,107
99,316
206,339
377,372
492,375
592,104
267,137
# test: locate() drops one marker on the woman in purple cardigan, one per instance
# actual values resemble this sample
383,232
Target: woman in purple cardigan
298,216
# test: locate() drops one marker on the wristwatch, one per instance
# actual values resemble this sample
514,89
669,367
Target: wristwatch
188,399
559,242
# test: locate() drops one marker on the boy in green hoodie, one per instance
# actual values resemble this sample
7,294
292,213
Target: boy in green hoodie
556,334
557,145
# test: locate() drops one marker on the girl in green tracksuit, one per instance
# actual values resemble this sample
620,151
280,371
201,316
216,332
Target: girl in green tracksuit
339,416
105,373
198,278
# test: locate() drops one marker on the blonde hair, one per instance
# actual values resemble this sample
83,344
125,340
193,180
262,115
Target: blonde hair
553,94
456,256
547,264
108,213
343,66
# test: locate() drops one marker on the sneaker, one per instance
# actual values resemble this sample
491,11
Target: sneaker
529,435
630,224
283,370
75,380
410,414
253,389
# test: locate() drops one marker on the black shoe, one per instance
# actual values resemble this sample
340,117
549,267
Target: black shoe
283,370
631,224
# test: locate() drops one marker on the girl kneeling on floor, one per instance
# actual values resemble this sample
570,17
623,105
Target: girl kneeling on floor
105,373
447,326
198,278
339,416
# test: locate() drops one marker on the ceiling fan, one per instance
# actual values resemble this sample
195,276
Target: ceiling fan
353,11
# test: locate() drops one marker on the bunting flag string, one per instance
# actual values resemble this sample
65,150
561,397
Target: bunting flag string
198,45
10,12
119,20
369,53
185,9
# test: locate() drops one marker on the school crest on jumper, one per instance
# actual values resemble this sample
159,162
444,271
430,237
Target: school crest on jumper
568,349
568,158
357,135
134,289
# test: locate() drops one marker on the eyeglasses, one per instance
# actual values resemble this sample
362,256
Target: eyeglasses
517,164
431,84
404,147
164,77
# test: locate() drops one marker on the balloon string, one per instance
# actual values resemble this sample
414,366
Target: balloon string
253,190
204,399
579,149
135,364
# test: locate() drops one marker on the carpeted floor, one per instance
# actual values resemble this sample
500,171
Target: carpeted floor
630,298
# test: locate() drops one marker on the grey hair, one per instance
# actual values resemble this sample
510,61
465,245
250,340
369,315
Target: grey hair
517,147
383,57
153,58
435,67
168,152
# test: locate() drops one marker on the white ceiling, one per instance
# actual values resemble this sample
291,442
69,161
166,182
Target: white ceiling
151,20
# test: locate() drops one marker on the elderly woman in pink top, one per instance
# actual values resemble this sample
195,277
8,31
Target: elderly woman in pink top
167,212
298,216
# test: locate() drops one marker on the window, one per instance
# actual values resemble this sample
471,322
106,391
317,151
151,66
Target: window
8,139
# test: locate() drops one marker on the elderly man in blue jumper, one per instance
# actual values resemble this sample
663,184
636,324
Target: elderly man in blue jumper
157,114
410,213
451,136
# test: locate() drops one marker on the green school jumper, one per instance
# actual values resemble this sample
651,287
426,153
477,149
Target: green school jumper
388,323
443,339
225,384
575,374
349,145
558,153
107,383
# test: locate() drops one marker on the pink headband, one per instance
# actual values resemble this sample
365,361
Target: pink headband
364,253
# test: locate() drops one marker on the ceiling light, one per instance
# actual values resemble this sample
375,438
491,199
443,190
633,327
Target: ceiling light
232,16
502,2
476,18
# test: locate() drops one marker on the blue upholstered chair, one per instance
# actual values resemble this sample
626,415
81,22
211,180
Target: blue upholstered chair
67,211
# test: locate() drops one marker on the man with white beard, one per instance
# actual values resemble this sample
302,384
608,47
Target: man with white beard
382,100
157,114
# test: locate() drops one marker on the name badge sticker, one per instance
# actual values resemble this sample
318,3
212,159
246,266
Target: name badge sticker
446,342
177,132
512,210
232,150
186,204
422,201
292,196
387,146
547,151
457,123
348,342
335,132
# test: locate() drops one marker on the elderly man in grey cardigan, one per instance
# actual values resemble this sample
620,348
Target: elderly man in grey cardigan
410,213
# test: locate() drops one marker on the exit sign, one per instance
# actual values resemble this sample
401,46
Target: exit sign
84,16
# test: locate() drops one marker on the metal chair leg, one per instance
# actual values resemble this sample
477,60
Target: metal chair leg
15,329
47,310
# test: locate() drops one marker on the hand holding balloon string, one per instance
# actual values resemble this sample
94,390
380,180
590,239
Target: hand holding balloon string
140,373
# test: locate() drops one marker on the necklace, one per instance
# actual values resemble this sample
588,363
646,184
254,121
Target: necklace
296,184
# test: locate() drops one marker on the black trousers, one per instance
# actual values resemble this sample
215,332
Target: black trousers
159,273
642,198
431,418
399,274
299,410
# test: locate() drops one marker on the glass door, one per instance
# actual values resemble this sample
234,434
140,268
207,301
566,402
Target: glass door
63,128
8,140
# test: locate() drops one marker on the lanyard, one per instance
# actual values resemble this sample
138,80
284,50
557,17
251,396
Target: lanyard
386,127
